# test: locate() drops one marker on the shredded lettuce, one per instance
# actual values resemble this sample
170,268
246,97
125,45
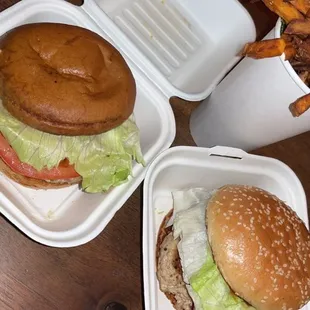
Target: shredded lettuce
103,160
189,225
213,291
205,283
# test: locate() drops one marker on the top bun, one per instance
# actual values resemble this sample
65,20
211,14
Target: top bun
64,79
261,247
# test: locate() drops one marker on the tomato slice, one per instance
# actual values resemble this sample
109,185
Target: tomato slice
64,170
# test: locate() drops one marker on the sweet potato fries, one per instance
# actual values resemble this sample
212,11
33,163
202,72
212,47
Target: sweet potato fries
294,44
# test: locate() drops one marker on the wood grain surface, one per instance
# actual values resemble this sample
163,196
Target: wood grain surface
35,277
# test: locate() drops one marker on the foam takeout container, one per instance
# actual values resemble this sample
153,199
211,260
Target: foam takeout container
179,48
250,107
181,168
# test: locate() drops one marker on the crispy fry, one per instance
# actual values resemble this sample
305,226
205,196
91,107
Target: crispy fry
296,63
286,37
284,9
264,49
298,26
308,14
289,51
296,40
303,52
300,106
304,75
301,68
301,5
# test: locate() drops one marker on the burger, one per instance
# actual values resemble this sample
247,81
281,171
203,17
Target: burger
237,247
66,109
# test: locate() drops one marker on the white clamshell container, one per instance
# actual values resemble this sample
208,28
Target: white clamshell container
181,168
180,48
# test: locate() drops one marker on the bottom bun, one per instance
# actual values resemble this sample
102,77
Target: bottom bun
35,183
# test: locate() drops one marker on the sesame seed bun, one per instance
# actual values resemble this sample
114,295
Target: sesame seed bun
64,79
261,247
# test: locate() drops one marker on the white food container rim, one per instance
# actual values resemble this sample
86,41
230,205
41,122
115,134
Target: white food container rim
224,151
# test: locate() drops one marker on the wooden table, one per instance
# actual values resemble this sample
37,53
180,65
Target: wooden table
35,277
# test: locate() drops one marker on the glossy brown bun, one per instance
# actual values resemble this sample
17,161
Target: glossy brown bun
34,183
64,79
261,247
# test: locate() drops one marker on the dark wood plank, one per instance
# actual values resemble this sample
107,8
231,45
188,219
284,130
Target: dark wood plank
263,18
108,268
295,153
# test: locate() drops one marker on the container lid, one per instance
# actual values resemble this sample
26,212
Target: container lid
184,46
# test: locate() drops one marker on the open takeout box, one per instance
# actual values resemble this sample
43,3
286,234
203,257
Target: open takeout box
181,168
174,48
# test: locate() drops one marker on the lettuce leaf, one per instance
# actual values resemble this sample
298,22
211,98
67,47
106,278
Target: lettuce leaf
189,225
205,284
103,160
212,289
